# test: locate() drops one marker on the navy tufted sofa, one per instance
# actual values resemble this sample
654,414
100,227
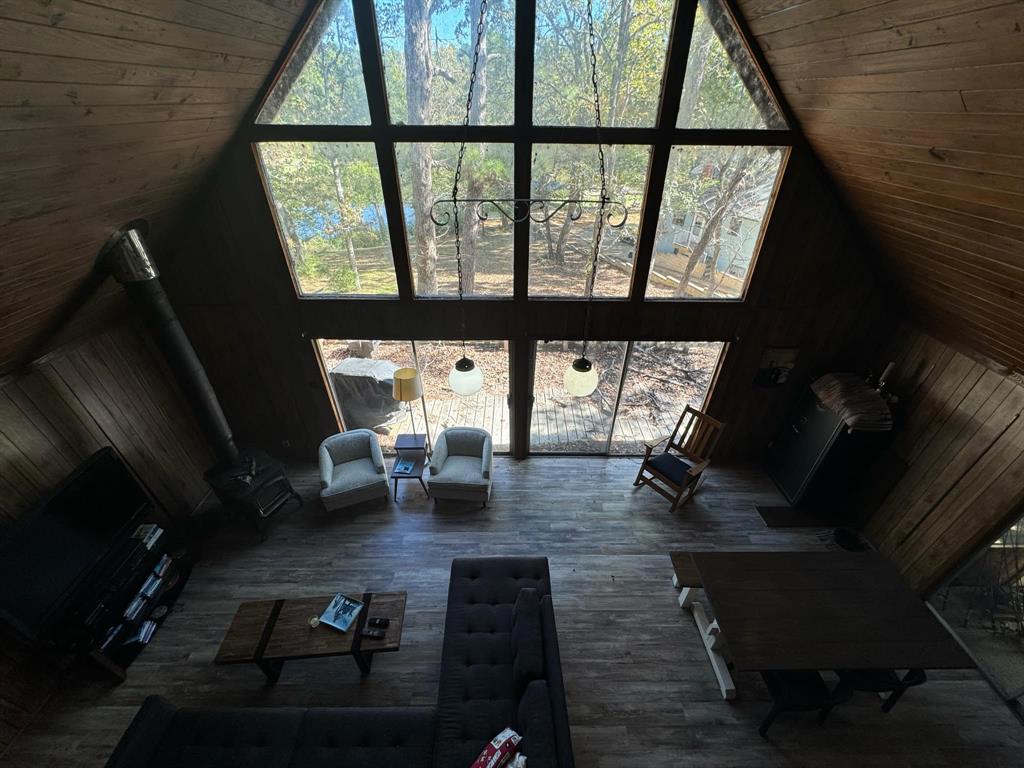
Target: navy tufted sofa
500,667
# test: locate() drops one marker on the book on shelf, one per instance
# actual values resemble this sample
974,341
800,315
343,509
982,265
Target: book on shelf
341,613
151,586
149,534
144,633
162,566
134,608
404,466
112,634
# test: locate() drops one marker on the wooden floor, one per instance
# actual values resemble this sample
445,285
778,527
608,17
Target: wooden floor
639,687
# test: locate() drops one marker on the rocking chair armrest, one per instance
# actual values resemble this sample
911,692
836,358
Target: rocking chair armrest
650,445
696,469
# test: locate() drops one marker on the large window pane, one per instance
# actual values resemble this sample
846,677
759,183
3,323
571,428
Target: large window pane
487,409
713,212
330,212
322,83
428,56
723,88
361,377
632,40
662,378
984,603
427,172
561,248
564,424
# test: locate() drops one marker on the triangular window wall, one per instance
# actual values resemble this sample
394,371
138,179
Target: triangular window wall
322,82
723,87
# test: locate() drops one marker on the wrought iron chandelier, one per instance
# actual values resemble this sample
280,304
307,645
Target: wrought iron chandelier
581,377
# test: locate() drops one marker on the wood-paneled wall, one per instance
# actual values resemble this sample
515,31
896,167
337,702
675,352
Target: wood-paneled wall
111,110
813,288
917,108
960,451
112,389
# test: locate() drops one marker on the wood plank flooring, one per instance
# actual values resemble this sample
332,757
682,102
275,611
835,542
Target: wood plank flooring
650,702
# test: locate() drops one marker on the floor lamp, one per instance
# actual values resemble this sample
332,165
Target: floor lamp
408,387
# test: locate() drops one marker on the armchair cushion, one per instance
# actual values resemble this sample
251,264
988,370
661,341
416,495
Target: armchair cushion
352,475
670,466
459,472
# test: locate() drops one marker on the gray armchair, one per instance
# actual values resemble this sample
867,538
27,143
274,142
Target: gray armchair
460,467
352,469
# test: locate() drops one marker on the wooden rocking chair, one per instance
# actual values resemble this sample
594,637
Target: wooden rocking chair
672,475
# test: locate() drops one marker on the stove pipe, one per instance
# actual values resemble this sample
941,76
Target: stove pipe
127,258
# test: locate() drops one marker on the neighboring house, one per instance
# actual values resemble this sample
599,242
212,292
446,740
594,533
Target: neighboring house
739,239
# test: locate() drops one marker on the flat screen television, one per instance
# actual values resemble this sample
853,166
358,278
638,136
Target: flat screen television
56,547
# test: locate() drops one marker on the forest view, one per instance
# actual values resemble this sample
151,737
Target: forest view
328,196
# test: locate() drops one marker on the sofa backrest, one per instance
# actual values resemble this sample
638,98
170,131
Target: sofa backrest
496,649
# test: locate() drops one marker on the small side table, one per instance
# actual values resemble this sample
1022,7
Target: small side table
412,447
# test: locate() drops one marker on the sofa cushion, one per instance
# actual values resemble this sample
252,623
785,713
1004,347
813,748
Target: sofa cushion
352,475
477,696
365,738
527,640
228,738
537,726
459,472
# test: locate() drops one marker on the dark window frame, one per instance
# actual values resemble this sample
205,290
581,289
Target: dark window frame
523,134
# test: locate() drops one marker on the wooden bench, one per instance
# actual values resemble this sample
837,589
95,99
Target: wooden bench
686,578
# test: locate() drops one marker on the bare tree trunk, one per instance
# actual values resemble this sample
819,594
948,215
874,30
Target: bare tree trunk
352,260
714,221
474,183
339,193
292,235
700,50
418,78
382,229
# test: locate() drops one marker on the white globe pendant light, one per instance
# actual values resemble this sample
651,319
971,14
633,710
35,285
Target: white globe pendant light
466,377
581,378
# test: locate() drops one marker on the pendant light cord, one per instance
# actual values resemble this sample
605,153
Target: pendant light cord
462,154
599,224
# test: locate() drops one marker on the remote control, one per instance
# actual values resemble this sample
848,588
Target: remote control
379,622
373,634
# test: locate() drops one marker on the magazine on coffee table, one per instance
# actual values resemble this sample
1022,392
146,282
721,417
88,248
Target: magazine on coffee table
341,613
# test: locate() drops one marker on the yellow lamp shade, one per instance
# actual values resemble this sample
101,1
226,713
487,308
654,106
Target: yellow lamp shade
408,386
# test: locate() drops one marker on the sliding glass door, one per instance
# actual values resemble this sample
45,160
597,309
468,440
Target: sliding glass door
644,387
564,424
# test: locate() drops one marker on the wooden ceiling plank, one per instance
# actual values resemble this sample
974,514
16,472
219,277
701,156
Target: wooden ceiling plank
43,68
907,23
943,76
23,37
77,16
980,161
25,94
1001,50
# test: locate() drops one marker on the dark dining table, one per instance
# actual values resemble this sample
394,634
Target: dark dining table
822,610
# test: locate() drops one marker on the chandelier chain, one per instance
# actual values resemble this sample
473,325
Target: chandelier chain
462,154
599,224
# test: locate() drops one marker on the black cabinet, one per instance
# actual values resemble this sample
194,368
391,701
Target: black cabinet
817,462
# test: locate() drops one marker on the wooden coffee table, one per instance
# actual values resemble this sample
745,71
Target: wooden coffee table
268,633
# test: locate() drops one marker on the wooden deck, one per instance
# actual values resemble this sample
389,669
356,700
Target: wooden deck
560,423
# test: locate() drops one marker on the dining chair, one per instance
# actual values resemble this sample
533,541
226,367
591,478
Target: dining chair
798,691
878,681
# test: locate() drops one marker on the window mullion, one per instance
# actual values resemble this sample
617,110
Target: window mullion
671,93
380,119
